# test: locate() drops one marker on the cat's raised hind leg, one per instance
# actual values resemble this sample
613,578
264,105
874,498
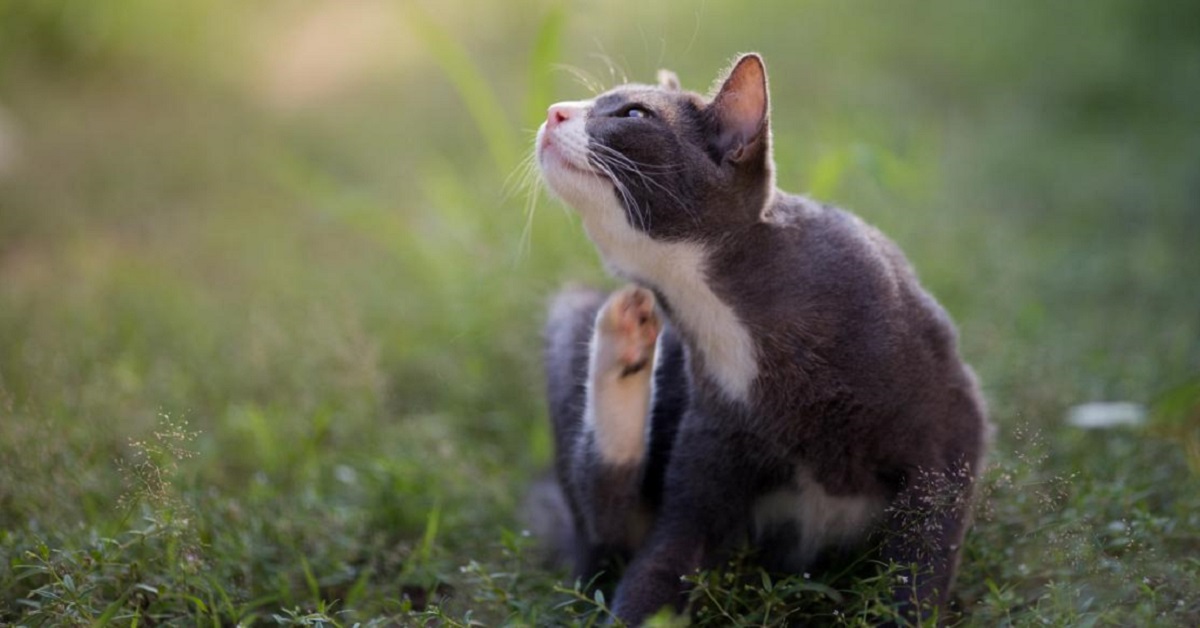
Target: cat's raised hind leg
611,451
600,363
620,374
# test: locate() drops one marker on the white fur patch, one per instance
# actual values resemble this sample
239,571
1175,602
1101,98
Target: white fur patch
617,413
677,269
820,519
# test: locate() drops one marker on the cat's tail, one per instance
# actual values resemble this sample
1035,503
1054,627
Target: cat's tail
547,517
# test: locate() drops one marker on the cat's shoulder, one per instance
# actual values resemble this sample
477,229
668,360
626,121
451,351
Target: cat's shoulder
827,235
791,211
796,214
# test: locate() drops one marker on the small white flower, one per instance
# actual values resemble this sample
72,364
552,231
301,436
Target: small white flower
1146,580
1104,415
345,474
806,576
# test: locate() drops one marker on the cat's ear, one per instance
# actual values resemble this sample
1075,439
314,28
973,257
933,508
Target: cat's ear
740,109
668,80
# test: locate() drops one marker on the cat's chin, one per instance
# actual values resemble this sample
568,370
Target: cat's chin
578,187
552,160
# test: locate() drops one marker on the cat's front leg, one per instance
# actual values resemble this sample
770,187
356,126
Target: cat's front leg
609,460
714,478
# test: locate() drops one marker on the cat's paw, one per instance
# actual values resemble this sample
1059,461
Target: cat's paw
627,329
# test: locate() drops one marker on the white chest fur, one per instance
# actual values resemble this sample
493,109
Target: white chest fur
820,520
677,269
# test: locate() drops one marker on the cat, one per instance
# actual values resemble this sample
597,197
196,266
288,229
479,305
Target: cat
774,376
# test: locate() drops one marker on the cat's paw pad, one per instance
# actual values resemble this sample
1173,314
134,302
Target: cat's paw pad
627,328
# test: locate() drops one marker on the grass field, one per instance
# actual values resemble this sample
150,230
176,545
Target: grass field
270,293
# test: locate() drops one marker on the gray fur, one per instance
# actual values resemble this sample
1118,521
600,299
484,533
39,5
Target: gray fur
859,391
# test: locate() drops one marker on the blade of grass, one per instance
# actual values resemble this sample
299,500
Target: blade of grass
313,588
358,589
468,80
111,610
431,532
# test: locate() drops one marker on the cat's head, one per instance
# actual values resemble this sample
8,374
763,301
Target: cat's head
659,162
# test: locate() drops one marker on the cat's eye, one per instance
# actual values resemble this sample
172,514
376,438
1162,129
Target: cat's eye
637,112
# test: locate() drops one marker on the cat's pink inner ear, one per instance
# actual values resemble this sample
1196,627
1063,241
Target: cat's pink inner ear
742,102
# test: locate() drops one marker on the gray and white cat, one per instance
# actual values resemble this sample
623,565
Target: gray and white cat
775,376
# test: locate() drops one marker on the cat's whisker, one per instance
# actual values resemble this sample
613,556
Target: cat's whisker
522,177
627,199
615,159
584,78
606,167
616,72
646,182
640,164
525,245
643,216
608,62
630,166
525,177
630,203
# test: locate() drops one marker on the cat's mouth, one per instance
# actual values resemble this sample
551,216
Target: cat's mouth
553,156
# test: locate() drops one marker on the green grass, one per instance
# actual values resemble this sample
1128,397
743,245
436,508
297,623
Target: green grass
280,364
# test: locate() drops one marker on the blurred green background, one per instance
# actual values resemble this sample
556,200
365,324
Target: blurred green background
272,276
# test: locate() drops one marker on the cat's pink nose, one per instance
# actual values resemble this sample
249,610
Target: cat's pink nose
561,112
